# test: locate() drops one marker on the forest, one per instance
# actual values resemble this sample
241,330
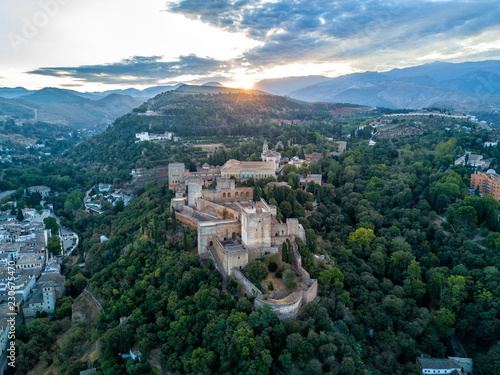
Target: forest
411,258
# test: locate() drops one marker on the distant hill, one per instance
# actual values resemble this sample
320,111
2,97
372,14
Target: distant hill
14,92
283,86
67,107
461,85
193,89
145,94
213,84
74,108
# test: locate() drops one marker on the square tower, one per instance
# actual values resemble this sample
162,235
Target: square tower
176,174
256,227
49,300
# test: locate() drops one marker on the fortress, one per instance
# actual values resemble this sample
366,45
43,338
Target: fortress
232,228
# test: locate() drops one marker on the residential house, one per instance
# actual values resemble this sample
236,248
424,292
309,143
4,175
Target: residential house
31,261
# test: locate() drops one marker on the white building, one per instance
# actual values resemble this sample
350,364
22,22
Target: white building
271,156
145,136
472,159
437,365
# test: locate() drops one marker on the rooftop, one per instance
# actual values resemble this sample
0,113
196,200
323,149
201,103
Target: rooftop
437,363
233,164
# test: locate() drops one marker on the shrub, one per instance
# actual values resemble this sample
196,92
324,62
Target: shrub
291,285
270,286
273,266
289,276
279,272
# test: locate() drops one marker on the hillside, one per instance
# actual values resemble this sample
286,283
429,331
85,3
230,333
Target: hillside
71,108
67,107
187,113
283,86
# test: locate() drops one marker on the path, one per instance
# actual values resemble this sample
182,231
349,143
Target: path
439,220
67,237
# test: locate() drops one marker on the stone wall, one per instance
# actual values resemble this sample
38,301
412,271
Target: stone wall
234,195
297,261
283,310
249,287
209,230
290,308
221,212
312,292
206,232
229,230
280,229
260,253
186,219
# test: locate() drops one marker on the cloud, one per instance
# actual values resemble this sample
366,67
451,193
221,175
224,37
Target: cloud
137,70
72,85
325,30
362,35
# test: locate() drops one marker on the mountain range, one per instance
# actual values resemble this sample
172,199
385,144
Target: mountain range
472,87
74,108
464,86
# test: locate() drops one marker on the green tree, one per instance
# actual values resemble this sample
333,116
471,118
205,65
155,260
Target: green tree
51,224
74,200
362,236
465,217
289,276
330,279
19,216
444,319
286,209
256,270
54,245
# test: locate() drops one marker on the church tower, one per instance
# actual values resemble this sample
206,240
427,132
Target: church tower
265,147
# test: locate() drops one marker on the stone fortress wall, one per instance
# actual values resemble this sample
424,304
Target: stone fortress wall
287,307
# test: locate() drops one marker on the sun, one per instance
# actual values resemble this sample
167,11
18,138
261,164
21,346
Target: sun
241,81
241,84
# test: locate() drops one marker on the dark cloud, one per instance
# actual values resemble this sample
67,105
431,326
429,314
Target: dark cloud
138,70
326,30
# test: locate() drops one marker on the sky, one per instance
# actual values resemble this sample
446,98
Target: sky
96,45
